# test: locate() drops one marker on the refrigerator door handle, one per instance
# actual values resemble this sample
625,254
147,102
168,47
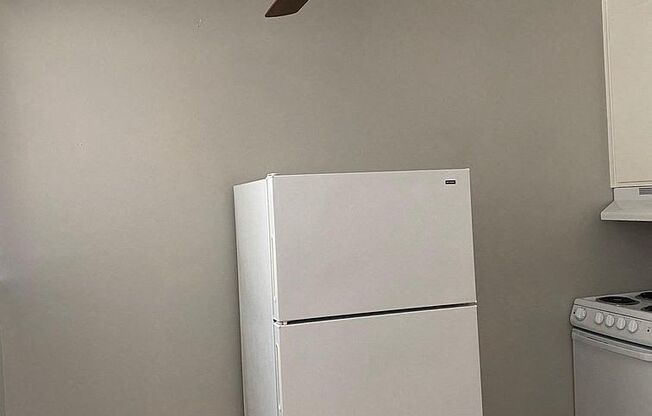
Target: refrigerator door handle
617,347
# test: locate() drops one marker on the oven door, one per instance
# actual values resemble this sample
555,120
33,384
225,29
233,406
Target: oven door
611,377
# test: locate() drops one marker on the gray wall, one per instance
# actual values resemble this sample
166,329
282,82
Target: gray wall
124,124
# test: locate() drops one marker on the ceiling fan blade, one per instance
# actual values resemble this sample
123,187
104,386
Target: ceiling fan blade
285,7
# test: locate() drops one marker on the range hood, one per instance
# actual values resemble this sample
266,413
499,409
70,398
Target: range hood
285,7
630,204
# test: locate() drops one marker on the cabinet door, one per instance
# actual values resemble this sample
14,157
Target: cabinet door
417,363
365,242
628,54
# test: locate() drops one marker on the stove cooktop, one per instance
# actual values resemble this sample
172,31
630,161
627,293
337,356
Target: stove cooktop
635,301
625,316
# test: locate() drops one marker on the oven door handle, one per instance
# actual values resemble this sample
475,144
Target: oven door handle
629,350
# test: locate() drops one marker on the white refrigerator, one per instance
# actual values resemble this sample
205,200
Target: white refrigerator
357,294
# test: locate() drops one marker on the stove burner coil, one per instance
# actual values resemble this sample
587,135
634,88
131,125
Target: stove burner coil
618,300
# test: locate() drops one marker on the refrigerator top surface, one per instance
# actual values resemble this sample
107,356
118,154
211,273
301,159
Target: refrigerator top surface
378,172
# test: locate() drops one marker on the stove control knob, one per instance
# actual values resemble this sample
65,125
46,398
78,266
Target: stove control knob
609,321
621,323
599,318
632,326
580,313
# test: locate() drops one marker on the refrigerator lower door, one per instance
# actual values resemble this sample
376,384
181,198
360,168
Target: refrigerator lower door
413,363
611,377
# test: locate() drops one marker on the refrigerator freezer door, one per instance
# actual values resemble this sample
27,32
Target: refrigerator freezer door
413,363
363,242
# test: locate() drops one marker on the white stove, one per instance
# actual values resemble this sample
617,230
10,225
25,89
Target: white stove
612,354
627,316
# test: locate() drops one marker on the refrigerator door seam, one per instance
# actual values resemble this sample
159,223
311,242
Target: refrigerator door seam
372,314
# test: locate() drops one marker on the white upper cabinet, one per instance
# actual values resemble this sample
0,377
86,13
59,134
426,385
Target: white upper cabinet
628,65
